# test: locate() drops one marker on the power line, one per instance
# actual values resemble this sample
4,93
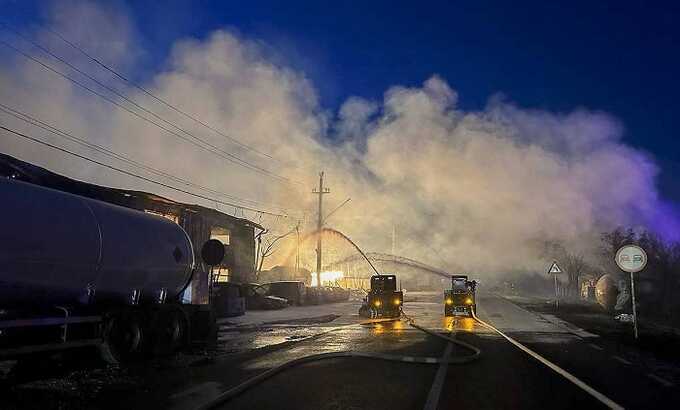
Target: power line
98,148
38,141
213,149
240,161
152,95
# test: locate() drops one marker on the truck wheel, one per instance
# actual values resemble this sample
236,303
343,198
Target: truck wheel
124,337
168,331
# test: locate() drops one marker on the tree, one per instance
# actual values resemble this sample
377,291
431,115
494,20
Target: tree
574,266
268,248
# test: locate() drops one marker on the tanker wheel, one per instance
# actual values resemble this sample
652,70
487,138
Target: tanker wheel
124,337
168,331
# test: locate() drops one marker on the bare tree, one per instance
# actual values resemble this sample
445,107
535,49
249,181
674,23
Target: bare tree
574,266
269,247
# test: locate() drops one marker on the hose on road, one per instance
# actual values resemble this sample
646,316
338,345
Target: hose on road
476,351
236,390
552,366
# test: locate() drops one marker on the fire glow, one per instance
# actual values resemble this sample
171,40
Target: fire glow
328,277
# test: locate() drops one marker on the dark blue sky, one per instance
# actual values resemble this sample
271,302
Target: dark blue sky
616,56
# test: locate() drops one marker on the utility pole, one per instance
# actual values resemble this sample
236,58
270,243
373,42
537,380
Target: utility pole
319,225
297,248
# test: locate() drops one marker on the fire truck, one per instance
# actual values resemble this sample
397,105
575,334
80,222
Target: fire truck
461,297
383,300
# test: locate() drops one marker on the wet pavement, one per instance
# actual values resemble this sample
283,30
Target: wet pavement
503,377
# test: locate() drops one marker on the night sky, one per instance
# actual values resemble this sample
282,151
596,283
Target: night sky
622,58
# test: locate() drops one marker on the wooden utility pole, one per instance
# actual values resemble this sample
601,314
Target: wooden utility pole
297,248
319,225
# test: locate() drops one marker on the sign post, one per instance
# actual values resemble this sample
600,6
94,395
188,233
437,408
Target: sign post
632,259
555,270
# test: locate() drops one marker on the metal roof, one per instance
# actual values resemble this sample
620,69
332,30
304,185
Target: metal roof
12,167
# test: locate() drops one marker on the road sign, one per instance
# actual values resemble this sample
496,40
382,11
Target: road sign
631,258
554,268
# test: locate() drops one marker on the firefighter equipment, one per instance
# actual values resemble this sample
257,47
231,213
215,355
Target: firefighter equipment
461,297
384,300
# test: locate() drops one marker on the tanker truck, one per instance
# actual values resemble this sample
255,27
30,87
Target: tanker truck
79,272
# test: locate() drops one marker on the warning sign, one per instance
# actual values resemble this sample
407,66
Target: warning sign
554,268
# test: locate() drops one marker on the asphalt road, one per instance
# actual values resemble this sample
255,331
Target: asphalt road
503,377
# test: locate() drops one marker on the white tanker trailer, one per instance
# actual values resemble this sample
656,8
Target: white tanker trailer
75,272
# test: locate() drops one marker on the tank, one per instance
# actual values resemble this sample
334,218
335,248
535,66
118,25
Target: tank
62,249
606,292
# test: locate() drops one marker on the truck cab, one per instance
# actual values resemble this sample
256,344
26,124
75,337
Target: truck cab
461,297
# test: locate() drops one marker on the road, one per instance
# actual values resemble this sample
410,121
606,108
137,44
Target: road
588,371
503,377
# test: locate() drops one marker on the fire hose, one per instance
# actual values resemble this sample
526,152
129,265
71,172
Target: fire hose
233,392
240,388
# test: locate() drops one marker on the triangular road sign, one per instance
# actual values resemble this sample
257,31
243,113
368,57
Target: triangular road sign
554,268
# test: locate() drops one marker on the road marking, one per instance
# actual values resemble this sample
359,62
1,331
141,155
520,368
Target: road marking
660,380
621,359
596,394
594,346
569,327
439,378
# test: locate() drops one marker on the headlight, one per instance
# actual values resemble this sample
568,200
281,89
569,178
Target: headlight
449,301
468,301
397,301
376,303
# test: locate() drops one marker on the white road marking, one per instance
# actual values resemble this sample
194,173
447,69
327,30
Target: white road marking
569,327
596,394
660,380
594,346
435,391
621,359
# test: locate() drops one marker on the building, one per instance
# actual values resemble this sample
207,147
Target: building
200,223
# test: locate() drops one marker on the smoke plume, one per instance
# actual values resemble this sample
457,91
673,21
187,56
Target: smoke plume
476,190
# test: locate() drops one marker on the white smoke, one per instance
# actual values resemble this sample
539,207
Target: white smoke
478,188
